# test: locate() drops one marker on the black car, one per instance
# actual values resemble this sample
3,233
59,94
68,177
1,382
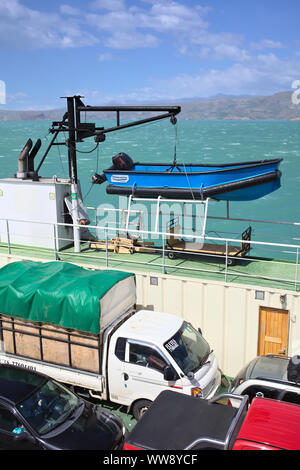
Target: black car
37,412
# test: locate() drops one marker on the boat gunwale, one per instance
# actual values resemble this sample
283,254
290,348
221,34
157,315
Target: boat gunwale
202,193
236,166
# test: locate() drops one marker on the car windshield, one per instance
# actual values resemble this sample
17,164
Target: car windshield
48,407
188,348
269,367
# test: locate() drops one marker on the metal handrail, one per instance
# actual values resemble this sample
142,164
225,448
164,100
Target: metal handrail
163,235
233,425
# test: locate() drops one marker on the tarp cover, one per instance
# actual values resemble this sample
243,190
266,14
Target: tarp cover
56,293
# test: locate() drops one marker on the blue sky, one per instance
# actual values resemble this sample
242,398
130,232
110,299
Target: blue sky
129,51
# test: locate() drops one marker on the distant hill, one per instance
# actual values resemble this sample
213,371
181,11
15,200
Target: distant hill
275,107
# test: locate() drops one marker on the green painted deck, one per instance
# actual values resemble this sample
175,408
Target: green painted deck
250,271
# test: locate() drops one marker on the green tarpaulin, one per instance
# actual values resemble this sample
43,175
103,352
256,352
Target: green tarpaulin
56,293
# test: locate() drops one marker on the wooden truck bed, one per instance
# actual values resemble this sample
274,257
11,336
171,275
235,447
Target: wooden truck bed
51,344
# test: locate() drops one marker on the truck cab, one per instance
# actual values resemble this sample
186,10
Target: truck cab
153,351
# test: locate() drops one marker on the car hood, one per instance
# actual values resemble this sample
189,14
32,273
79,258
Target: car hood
94,429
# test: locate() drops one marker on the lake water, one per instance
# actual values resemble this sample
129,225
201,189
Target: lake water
196,142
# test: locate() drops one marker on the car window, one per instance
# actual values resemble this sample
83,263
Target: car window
188,348
272,392
48,407
120,348
146,356
8,422
292,397
260,390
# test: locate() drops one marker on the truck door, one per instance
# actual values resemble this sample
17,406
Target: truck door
144,372
116,371
136,371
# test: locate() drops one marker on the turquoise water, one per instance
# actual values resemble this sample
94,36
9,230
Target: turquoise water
197,142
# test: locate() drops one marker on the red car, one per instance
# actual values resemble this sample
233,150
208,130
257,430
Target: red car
180,422
270,425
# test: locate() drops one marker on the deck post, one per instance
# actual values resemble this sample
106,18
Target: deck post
55,241
73,172
226,259
227,209
106,247
164,255
157,214
128,213
8,237
296,274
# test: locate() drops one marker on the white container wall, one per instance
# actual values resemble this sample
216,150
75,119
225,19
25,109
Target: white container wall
228,314
24,204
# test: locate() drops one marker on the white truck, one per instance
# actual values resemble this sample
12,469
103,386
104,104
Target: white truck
81,328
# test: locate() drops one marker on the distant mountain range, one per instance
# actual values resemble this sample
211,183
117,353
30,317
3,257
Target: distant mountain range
275,107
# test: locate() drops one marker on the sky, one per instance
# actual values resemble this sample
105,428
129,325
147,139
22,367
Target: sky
143,51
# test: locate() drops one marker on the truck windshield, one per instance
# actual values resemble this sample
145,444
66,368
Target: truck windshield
188,348
48,407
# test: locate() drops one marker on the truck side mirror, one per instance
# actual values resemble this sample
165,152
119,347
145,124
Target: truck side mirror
169,373
200,331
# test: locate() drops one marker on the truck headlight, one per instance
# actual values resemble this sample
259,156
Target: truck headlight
196,391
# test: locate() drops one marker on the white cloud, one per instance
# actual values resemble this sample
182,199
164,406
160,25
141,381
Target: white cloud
267,44
264,74
112,5
105,56
119,30
173,17
69,10
130,40
260,75
25,28
120,25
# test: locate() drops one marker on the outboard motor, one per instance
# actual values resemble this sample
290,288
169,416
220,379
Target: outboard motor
122,161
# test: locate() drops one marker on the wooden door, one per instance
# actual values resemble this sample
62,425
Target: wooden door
273,331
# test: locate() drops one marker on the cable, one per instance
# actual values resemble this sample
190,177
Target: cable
61,162
82,151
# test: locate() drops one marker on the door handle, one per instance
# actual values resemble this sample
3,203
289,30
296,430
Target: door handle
282,351
125,376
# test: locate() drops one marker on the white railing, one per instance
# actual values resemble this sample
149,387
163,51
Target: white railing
159,258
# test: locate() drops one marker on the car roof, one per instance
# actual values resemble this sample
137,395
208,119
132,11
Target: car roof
17,383
273,423
160,327
269,367
175,420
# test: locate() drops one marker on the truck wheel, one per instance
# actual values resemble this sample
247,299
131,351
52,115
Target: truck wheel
230,262
140,408
171,255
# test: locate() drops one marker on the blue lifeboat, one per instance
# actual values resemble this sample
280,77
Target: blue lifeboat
230,182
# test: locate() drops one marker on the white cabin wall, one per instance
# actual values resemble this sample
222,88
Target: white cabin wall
228,314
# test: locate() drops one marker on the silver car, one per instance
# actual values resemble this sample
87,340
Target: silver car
267,376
